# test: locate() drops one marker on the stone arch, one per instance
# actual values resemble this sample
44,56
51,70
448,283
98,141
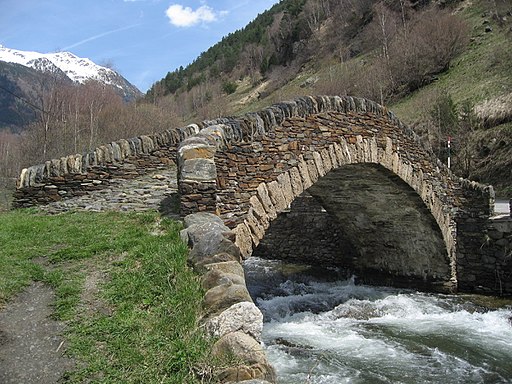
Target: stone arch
276,196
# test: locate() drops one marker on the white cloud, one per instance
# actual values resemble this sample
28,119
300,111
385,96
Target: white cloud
181,16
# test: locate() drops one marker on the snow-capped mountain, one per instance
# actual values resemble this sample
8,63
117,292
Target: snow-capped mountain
78,69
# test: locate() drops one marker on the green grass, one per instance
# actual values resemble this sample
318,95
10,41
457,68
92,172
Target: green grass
140,323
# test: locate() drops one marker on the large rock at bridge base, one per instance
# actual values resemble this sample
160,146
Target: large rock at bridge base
215,278
212,244
244,374
201,218
207,235
228,272
254,363
218,258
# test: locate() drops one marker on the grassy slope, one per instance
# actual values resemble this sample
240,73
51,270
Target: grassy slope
140,325
482,72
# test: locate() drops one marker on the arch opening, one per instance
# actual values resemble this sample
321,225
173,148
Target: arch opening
365,219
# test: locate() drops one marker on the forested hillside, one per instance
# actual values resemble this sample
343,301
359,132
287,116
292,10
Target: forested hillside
442,65
403,44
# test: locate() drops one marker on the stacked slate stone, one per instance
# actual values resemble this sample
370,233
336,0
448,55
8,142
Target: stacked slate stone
75,175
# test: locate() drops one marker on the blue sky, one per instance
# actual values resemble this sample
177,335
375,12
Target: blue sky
143,39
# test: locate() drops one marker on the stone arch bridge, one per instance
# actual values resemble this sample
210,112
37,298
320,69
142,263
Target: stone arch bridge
340,181
336,181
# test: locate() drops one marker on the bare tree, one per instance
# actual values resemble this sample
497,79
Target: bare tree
314,13
385,27
9,155
426,48
47,100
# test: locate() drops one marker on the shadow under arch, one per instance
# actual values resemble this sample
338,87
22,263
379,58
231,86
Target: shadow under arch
367,220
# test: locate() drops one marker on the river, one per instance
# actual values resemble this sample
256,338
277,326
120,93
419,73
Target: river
321,328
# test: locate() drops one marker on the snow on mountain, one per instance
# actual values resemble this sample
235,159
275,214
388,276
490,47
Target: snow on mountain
78,69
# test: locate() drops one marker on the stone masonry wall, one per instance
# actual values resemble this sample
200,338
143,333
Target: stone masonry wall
306,234
75,175
494,273
484,245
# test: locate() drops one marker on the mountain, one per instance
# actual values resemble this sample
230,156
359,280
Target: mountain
23,74
78,69
19,88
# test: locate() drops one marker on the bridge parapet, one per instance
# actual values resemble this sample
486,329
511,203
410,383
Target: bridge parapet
76,174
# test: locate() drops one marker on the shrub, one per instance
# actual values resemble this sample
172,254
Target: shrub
229,87
426,48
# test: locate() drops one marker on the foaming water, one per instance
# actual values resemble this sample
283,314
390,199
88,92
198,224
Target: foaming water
340,332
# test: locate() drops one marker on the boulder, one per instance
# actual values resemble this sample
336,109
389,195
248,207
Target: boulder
224,296
212,244
218,258
215,278
207,235
244,317
252,355
201,218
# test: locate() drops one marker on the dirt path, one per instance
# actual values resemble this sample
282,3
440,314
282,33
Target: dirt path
31,343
